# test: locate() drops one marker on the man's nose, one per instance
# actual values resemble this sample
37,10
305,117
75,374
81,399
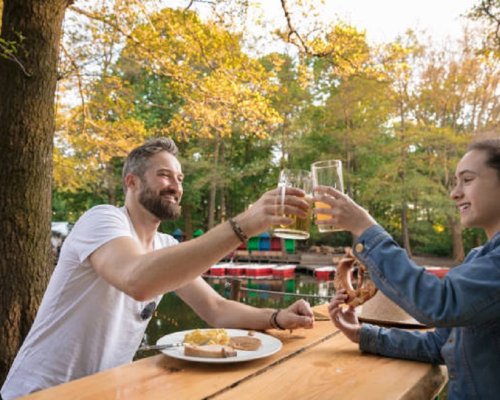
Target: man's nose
176,185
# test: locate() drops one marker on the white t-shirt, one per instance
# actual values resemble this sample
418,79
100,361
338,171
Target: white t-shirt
84,325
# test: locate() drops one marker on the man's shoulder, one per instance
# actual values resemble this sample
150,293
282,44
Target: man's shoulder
101,214
166,240
105,208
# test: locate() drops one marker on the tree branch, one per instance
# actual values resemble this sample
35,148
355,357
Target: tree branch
8,50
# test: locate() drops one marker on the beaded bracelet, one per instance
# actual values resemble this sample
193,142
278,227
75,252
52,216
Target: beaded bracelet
238,231
273,321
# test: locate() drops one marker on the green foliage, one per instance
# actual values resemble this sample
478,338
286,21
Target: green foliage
428,238
398,116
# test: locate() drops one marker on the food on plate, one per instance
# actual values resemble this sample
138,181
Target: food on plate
209,351
202,337
365,288
247,343
216,343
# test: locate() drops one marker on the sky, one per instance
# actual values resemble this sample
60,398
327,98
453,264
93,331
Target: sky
385,19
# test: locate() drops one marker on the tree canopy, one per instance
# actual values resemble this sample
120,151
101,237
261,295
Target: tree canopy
241,103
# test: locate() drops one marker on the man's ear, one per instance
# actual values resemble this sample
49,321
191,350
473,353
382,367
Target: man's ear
131,181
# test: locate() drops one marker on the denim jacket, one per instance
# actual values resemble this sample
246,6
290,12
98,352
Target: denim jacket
464,307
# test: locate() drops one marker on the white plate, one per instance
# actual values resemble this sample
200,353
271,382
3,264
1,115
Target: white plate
270,345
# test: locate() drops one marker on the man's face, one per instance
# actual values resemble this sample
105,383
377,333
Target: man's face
161,187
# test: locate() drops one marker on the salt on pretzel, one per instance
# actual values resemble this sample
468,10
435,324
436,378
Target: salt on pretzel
365,289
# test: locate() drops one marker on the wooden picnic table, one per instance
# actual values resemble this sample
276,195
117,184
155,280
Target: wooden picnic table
319,363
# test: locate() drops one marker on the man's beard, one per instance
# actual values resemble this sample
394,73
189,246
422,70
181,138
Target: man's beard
162,209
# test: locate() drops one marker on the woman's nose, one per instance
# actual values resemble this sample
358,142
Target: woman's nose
456,192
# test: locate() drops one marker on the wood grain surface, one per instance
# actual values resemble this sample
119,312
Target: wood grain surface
318,363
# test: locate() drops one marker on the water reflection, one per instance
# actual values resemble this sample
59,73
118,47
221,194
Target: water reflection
173,315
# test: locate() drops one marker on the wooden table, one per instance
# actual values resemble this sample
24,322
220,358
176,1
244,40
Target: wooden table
320,363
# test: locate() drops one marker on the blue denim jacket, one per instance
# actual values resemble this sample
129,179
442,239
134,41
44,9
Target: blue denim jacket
464,306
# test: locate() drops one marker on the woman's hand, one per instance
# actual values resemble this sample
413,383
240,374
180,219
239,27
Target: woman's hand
298,315
344,212
344,318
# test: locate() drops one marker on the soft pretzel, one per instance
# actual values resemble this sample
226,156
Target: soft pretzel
364,291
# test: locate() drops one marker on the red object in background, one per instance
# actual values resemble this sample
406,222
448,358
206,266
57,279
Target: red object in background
324,273
218,270
276,244
438,271
255,270
284,271
235,270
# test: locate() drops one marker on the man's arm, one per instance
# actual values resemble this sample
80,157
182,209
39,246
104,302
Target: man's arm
222,313
143,275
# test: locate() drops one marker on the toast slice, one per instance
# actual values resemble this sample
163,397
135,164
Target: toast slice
247,343
209,351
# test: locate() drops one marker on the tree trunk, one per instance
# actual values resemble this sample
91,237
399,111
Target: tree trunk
347,171
222,187
188,221
404,228
110,184
213,186
27,86
458,245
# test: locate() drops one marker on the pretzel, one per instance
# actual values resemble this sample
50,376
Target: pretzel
364,291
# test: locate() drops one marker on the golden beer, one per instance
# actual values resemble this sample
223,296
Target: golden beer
327,173
324,217
298,229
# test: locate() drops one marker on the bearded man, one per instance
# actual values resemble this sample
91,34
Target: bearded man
114,267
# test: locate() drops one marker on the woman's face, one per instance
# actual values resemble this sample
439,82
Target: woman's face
477,193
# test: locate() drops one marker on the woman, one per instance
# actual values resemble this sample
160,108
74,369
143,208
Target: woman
464,306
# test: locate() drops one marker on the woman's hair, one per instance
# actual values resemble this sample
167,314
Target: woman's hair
137,161
492,149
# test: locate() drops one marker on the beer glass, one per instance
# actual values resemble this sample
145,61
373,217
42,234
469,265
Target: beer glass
299,228
327,173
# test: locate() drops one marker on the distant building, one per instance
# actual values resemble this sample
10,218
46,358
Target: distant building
62,228
59,232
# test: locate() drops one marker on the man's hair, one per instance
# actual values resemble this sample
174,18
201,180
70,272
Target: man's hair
137,161
492,149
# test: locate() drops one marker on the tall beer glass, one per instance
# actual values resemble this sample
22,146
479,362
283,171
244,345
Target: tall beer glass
327,173
299,228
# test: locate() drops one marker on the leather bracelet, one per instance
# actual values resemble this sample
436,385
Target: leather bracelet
238,231
273,321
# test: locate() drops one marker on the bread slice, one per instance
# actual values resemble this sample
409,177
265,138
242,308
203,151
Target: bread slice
209,351
247,343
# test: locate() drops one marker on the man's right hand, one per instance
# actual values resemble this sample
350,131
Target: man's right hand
269,211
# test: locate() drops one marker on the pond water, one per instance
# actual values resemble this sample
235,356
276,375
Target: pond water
173,315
